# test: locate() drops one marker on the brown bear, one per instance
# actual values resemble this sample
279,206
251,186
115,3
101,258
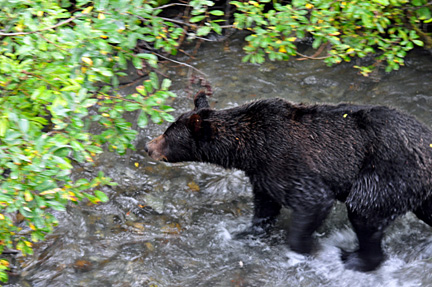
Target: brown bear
375,159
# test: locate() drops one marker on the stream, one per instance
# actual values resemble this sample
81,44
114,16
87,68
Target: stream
172,224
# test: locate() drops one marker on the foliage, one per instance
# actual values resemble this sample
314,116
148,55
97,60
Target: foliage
60,63
384,29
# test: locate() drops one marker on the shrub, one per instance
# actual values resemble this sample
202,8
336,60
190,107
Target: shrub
383,29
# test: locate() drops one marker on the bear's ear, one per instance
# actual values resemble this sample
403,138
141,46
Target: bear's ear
199,125
200,101
195,123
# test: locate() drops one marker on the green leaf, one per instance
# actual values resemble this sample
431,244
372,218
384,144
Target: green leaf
203,30
101,196
154,80
131,106
142,119
316,43
56,205
166,83
148,85
4,125
167,117
418,2
424,13
382,2
217,12
137,62
197,18
418,43
216,28
89,102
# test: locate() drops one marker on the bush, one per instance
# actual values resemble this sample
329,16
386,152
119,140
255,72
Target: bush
60,65
383,29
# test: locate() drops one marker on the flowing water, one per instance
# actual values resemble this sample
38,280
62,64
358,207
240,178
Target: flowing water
172,224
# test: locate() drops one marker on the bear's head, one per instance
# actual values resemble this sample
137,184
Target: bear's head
179,142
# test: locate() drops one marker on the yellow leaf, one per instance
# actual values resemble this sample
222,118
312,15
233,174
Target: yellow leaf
19,27
72,196
101,16
87,10
282,49
2,217
309,6
137,164
193,186
87,60
32,227
172,228
103,36
40,13
4,262
345,115
149,246
50,191
28,196
292,39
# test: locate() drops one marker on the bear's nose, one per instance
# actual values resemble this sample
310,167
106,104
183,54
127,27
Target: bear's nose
146,148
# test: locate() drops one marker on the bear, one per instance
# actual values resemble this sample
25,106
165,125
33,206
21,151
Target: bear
375,159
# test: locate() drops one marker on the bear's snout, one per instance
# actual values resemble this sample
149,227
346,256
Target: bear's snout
155,148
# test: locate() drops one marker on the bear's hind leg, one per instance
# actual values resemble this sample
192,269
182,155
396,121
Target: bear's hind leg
424,212
369,234
304,222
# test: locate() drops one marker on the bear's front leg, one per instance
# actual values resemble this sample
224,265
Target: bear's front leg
370,254
266,210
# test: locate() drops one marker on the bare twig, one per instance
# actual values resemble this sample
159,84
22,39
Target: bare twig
182,64
43,37
44,29
175,21
314,56
170,5
37,76
305,57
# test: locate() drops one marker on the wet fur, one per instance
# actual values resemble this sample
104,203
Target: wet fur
375,159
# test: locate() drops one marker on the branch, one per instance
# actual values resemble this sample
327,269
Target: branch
314,56
170,5
173,21
52,43
39,77
182,64
309,57
44,29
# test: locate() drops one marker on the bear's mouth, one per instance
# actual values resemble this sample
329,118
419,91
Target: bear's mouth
157,156
155,147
